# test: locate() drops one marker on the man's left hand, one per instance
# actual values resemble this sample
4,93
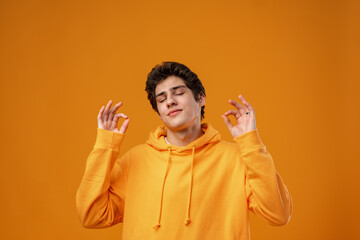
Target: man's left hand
244,115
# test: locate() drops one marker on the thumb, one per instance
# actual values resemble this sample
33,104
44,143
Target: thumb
227,122
124,126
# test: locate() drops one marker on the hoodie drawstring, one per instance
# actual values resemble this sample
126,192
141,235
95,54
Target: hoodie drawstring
188,219
156,226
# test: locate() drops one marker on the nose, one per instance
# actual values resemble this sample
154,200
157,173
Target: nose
171,101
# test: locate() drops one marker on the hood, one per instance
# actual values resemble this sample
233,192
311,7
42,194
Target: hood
157,141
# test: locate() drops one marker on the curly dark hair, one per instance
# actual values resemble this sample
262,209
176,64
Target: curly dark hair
167,69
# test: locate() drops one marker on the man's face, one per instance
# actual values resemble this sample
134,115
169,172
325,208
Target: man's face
176,104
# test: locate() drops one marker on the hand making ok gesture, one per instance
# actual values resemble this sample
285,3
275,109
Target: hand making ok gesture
244,115
108,119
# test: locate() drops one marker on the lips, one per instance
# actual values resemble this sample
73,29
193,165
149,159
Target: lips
174,112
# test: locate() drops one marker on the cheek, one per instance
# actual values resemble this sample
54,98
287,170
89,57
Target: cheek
161,110
195,108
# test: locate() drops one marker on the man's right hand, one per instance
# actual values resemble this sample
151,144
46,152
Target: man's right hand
108,119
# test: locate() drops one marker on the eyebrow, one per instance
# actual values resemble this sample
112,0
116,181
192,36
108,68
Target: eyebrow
172,89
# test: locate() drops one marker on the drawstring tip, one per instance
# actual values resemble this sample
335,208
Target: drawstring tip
187,221
156,226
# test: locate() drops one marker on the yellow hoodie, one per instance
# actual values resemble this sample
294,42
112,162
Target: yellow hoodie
201,191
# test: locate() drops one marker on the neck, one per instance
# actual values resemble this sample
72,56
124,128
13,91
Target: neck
185,136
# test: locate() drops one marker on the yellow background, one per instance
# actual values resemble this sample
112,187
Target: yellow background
296,62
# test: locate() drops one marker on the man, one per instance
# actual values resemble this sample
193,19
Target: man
185,182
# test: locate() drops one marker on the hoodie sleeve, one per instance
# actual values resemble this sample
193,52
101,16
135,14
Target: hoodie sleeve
266,192
101,195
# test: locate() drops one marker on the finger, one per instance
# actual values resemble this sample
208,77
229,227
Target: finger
114,121
119,115
242,111
247,105
101,112
124,126
227,122
235,113
114,109
237,105
99,117
106,111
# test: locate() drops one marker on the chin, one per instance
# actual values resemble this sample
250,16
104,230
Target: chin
178,124
175,126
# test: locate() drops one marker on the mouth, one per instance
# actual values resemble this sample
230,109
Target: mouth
174,112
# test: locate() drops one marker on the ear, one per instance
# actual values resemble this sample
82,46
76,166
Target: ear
202,100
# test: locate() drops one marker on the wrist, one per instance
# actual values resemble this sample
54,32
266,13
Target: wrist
108,139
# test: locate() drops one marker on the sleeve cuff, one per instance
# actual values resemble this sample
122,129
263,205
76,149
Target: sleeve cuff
108,139
249,141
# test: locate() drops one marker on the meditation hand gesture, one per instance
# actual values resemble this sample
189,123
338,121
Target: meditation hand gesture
108,119
244,115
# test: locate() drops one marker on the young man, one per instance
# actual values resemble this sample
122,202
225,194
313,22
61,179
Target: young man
184,182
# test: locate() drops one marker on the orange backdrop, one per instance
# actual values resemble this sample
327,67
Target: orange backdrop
296,62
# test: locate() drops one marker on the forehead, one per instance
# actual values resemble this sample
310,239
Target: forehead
168,83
